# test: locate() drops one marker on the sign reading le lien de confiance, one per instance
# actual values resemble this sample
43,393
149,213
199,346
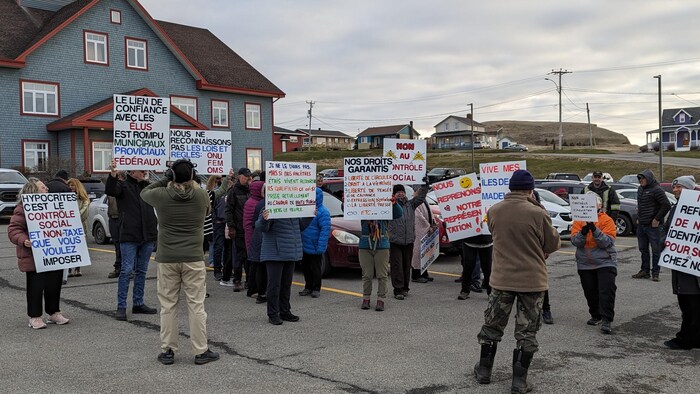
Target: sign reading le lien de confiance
141,132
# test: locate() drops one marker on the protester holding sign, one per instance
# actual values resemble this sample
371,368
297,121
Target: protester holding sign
83,204
45,285
315,242
596,261
685,286
425,223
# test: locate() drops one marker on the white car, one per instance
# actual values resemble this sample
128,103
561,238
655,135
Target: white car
98,221
558,210
11,182
632,195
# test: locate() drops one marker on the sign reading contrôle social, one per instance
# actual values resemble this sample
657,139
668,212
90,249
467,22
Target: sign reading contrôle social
209,150
682,246
141,132
460,205
290,189
584,207
367,188
55,231
408,160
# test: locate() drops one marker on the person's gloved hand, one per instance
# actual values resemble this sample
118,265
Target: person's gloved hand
591,227
585,230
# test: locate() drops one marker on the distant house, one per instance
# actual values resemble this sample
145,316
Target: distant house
284,140
373,137
331,139
680,128
504,142
455,132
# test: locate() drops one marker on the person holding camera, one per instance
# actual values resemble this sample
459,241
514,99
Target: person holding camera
181,206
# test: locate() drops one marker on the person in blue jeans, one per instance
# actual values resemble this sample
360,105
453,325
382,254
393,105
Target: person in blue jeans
138,232
652,207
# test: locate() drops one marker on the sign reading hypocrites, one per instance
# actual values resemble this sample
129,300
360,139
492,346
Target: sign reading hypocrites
290,189
460,205
141,129
367,188
408,160
209,150
55,231
584,207
682,246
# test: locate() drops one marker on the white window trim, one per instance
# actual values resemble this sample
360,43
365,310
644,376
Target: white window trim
253,116
293,138
136,49
187,105
254,162
106,160
36,92
220,107
34,153
115,16
96,43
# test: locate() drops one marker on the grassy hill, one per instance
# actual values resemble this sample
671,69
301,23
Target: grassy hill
535,133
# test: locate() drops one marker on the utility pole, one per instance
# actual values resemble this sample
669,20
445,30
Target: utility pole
590,130
561,129
311,106
471,111
661,136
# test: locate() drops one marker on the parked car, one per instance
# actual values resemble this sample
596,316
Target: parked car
478,145
632,194
563,176
668,187
94,187
559,211
98,221
441,174
629,178
607,178
11,182
516,147
331,172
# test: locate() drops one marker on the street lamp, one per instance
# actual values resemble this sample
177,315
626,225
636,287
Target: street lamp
561,130
661,136
471,111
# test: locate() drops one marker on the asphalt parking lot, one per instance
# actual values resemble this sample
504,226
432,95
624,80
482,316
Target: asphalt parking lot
424,344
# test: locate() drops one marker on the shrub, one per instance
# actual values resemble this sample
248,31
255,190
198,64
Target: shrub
644,149
671,148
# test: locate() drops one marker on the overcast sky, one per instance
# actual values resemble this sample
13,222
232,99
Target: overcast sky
376,63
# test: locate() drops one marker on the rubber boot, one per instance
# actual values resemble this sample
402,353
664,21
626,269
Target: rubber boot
521,362
482,369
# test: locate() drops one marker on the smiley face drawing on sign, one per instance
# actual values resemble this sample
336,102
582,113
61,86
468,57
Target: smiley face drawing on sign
465,182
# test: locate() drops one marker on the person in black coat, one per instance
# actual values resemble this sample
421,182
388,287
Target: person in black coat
652,206
59,184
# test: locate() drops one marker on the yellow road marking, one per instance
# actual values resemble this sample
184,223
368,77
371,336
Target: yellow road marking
445,274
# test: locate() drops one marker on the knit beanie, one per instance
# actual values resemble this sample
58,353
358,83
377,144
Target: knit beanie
398,188
686,181
521,180
63,174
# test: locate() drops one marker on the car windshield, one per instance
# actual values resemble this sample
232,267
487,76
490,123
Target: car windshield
628,179
437,171
333,204
12,177
546,195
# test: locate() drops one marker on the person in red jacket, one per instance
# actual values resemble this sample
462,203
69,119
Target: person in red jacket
46,285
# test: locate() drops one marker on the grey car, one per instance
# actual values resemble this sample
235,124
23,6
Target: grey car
98,221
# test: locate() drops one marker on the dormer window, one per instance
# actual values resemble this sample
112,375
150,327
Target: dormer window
681,117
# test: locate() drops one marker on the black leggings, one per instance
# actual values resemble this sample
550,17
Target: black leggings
46,285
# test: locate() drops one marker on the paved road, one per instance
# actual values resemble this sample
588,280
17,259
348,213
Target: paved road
642,157
424,344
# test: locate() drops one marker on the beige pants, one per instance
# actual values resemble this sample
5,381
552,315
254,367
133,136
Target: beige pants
190,277
373,261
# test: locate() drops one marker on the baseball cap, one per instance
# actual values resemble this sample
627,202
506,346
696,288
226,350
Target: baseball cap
597,173
245,172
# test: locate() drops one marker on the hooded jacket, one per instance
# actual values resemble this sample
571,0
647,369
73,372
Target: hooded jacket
651,200
402,230
58,185
235,202
17,232
315,236
137,219
595,249
181,218
249,217
281,239
256,238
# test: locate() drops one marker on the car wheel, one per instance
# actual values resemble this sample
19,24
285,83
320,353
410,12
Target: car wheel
623,224
326,266
99,233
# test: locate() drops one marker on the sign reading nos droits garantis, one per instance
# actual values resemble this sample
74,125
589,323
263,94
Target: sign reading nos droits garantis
141,128
682,247
584,207
408,160
55,231
290,189
367,188
460,205
209,150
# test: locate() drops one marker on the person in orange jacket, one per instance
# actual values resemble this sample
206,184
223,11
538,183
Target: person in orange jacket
596,261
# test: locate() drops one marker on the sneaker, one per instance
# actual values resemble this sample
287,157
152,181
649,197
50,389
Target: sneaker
227,283
37,323
458,280
218,276
65,282
463,295
380,306
399,296
429,278
167,357
275,320
655,277
70,273
143,309
594,321
289,317
237,287
476,288
365,304
641,275
547,317
206,357
674,345
260,299
77,273
605,328
113,274
315,294
305,292
58,319
420,280
121,314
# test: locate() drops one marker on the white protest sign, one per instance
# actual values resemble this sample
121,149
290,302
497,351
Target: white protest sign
429,249
682,247
584,207
408,160
494,181
141,128
55,231
290,189
367,189
460,205
209,150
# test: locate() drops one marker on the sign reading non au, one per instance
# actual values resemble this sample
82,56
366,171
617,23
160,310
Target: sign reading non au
408,160
290,189
55,231
367,189
460,205
682,246
141,128
209,150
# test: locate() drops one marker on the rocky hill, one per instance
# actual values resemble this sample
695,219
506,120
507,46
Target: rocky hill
542,133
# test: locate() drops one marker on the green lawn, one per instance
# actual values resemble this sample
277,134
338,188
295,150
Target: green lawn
695,154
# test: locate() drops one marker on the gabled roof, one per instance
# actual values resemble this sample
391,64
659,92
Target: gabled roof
456,132
281,130
211,63
85,117
669,114
386,130
324,133
461,119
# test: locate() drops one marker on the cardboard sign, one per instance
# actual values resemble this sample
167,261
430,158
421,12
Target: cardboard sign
682,247
408,160
141,128
460,205
55,231
209,150
584,207
494,181
290,189
367,188
429,249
